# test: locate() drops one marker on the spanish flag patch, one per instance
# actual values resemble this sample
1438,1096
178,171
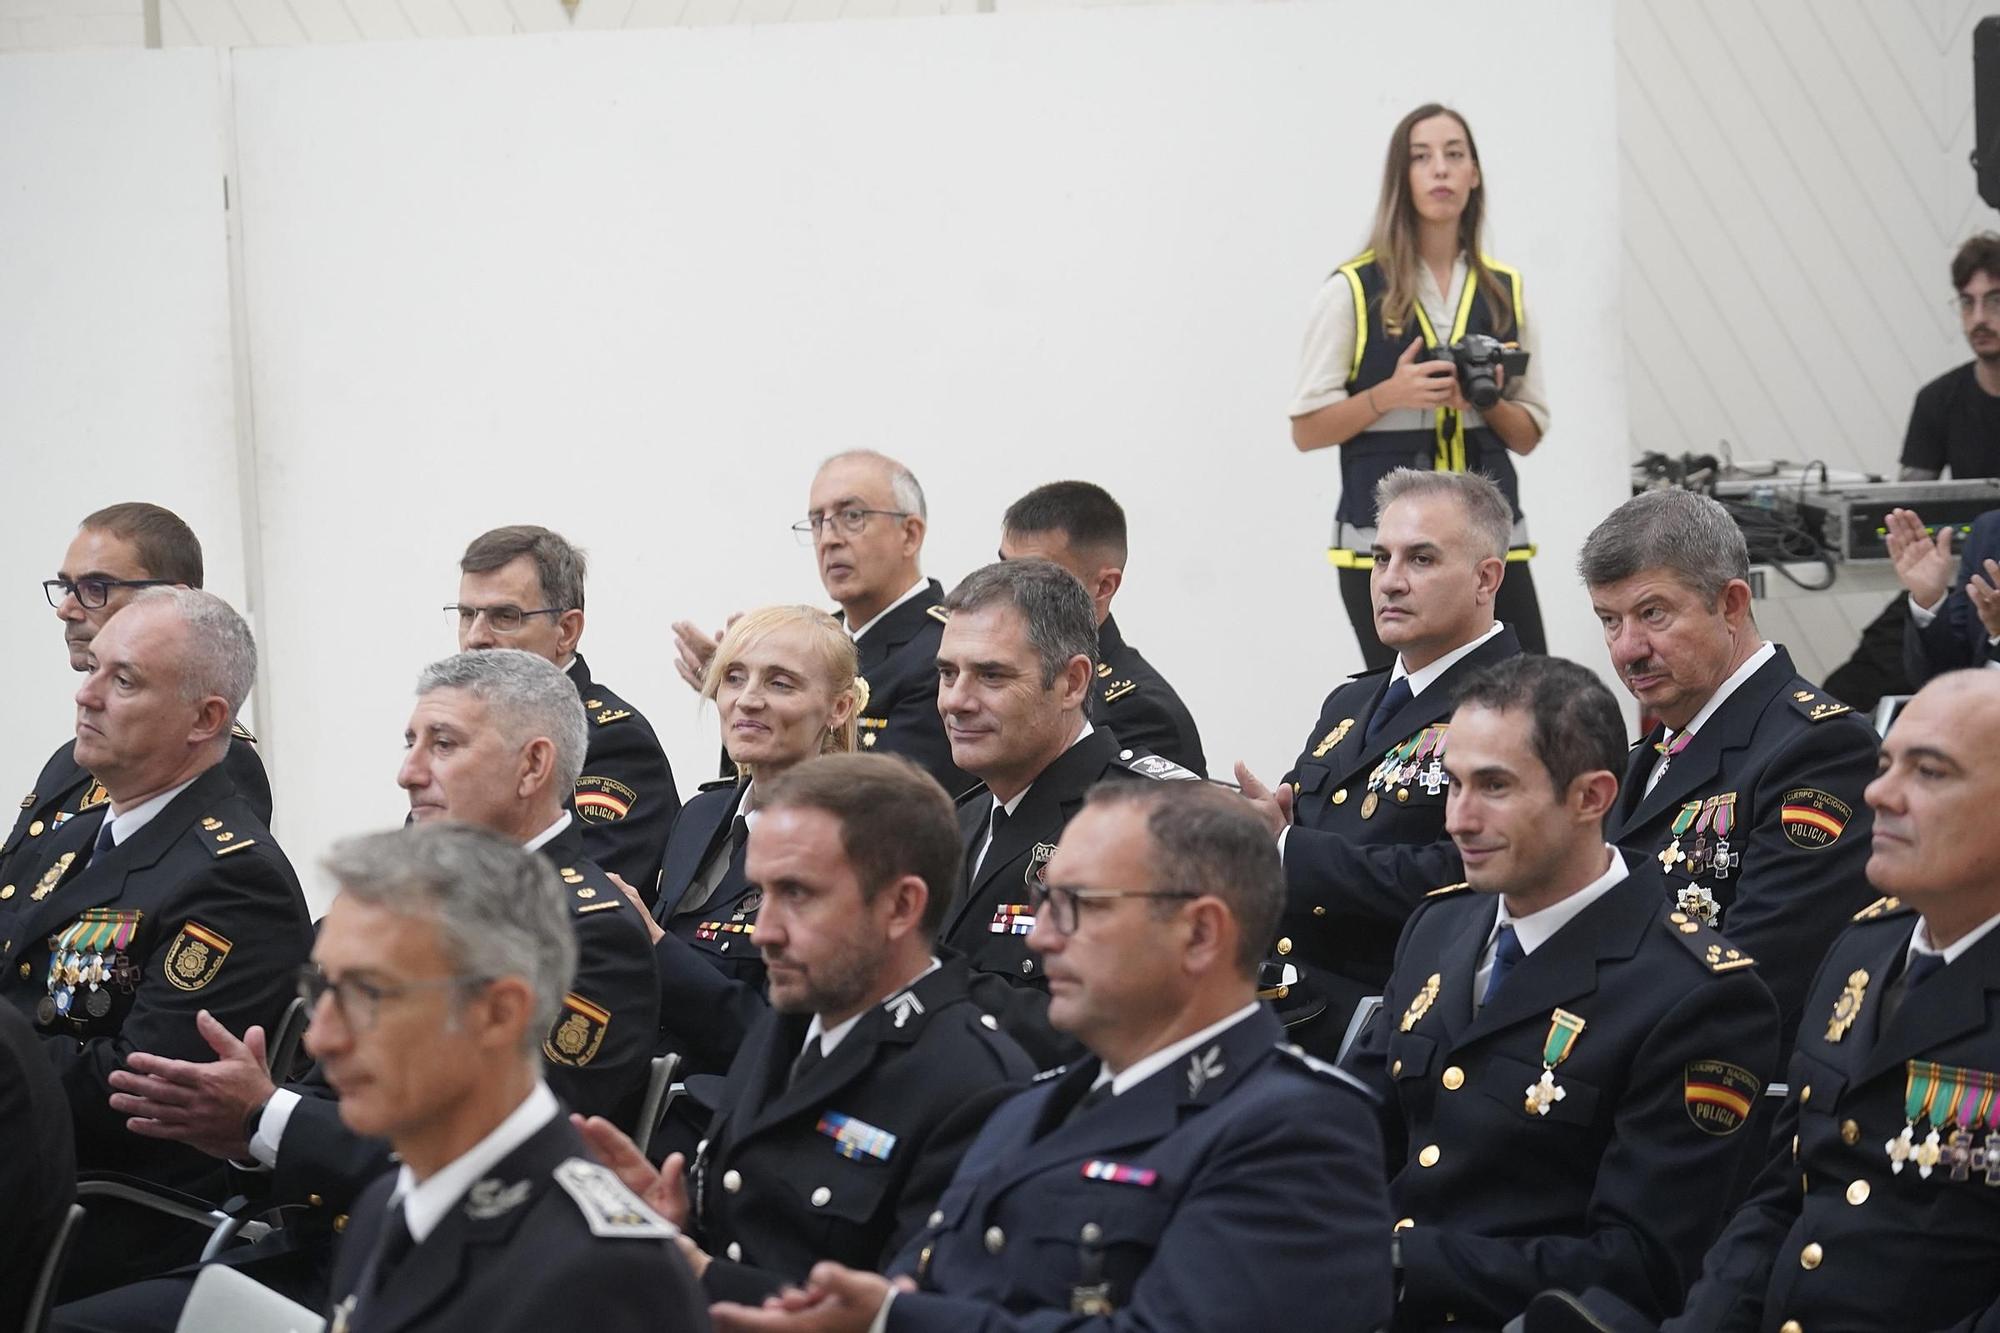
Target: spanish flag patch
1813,819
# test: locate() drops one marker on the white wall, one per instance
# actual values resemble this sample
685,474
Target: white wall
531,280
115,370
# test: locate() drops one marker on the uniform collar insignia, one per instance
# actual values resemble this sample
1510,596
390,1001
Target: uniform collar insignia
904,1006
490,1199
1203,1067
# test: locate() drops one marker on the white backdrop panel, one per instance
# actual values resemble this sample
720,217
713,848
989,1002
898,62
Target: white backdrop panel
115,373
634,287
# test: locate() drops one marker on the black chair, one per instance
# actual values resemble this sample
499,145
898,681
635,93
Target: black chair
36,1318
661,1093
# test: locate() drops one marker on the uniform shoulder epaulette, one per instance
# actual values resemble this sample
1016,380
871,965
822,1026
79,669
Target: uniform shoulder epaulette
604,717
1447,889
607,1206
1710,949
1881,907
1312,1064
938,613
221,840
1155,766
1048,1074
241,732
586,897
1815,706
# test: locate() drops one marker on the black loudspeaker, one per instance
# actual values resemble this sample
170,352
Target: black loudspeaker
1986,108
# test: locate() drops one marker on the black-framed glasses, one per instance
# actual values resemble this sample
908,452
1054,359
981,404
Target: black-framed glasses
360,1001
847,522
1060,901
1987,303
503,619
92,593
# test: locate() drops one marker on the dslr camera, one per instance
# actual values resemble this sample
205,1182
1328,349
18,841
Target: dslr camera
1476,357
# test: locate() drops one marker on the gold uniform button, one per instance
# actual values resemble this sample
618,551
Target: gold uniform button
1811,1256
1340,797
821,1197
340,1223
1857,1193
1319,911
6,892
1405,1224
996,1240
27,970
1403,794
1429,1156
1395,1070
1454,1078
35,829
732,1180
314,1200
1791,1326
1805,1094
1284,946
1850,1133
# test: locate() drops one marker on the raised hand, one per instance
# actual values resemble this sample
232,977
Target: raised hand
200,1104
1924,565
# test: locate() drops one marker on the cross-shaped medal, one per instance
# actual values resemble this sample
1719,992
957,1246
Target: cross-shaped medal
1434,779
1723,859
1543,1095
1671,855
1958,1153
1987,1159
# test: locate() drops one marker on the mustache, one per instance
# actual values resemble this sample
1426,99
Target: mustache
1649,667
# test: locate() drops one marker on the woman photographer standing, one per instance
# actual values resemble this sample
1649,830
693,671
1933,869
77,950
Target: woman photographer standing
1372,380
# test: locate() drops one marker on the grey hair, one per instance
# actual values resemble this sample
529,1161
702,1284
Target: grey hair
499,910
1209,843
1062,622
903,487
221,654
1691,536
1486,508
526,694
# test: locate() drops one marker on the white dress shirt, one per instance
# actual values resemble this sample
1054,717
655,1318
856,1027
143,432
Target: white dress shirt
1535,929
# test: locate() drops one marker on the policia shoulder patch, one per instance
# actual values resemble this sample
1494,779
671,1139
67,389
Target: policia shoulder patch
578,1032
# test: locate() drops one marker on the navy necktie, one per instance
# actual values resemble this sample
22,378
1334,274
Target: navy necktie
1507,951
104,841
1392,703
1921,968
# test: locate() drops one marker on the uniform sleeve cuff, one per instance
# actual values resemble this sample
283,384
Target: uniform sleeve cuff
271,1127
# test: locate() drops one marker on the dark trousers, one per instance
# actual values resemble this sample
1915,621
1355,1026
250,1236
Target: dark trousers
1515,605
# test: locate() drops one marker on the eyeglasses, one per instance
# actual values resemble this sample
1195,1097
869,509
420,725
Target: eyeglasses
501,619
847,522
1988,304
92,593
360,1002
1060,901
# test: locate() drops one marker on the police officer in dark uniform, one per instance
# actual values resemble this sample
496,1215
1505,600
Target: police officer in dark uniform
849,1106
1018,714
1191,1172
866,521
785,688
1080,527
1747,789
1879,1206
168,898
516,1229
117,551
522,587
1567,1063
1360,816
462,766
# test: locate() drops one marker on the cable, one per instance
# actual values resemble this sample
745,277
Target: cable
1779,539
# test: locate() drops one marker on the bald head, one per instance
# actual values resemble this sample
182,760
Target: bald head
1936,844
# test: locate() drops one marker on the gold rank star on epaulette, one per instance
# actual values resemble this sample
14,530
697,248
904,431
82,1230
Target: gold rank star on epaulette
1880,907
610,715
221,841
1817,708
1714,952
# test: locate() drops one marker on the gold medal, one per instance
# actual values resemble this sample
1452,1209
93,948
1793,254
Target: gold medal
1368,804
1421,1002
1848,1006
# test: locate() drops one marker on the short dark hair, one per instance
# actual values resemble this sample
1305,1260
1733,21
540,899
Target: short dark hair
1578,728
1980,254
895,820
167,547
1082,511
559,565
1209,843
1690,536
1062,620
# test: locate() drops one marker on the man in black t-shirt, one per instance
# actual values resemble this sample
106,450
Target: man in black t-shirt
1956,421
